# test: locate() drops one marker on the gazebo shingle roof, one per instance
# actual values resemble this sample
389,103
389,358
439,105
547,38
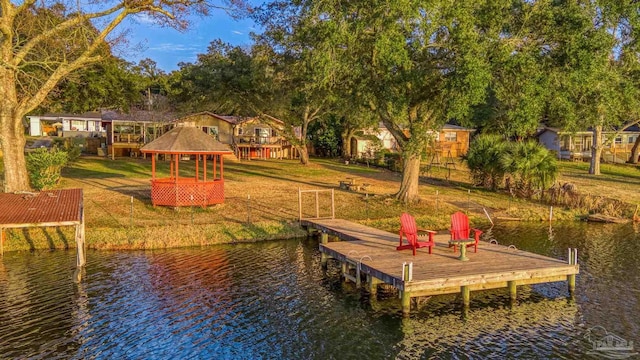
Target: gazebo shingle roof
183,139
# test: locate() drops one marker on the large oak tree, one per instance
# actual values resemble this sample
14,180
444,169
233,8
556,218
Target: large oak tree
415,64
42,42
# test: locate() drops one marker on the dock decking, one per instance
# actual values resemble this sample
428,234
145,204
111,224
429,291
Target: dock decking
372,252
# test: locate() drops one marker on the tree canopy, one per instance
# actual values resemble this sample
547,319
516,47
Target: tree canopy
43,42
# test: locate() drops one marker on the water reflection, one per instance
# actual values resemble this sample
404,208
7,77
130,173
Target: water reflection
501,332
273,300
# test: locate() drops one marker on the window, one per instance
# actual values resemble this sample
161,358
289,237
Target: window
450,136
631,139
240,131
213,131
618,140
78,125
262,135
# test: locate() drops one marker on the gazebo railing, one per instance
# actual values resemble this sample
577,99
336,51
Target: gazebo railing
186,192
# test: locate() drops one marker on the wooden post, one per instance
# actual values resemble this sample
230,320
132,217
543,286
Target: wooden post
466,296
571,280
344,269
81,257
333,207
221,167
299,204
406,302
204,168
323,260
324,238
197,167
177,166
373,284
512,290
153,166
215,159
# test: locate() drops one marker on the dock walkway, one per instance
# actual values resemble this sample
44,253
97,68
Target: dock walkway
373,253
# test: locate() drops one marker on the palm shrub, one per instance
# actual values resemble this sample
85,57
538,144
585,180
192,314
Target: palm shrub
532,167
484,160
44,167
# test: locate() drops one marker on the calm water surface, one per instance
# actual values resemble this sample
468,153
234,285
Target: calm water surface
273,301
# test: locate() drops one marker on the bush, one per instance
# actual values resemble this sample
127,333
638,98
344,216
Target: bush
393,161
484,161
531,165
71,146
44,167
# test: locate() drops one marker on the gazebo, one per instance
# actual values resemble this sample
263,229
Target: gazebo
188,191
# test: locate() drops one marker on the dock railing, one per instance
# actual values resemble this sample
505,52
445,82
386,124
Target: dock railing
317,203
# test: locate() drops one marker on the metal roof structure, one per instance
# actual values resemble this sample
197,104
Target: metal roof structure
55,207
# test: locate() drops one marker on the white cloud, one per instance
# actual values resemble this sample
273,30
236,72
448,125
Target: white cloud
144,19
171,47
236,32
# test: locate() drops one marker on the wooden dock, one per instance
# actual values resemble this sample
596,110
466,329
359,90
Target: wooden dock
372,253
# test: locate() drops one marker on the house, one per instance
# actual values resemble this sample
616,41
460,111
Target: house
451,139
107,132
577,145
127,133
67,125
249,137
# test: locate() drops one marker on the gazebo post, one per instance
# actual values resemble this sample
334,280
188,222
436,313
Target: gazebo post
171,168
204,167
197,170
177,155
153,166
221,168
214,166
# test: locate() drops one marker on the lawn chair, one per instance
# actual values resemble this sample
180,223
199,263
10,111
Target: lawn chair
460,230
410,230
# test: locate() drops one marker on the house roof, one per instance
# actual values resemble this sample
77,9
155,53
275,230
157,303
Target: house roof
107,116
186,140
138,116
456,128
233,120
53,116
449,127
630,130
230,119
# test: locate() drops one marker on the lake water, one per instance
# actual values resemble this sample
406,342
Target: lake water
272,300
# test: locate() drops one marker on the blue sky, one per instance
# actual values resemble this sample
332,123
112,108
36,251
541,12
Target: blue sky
167,46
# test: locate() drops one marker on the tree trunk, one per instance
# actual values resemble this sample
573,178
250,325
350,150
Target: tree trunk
12,143
635,150
596,151
410,175
304,154
347,135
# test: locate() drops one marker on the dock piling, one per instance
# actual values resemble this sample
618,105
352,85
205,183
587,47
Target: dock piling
466,296
512,291
406,302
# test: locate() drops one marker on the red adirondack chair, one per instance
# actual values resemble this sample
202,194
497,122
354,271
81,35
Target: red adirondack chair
460,230
410,230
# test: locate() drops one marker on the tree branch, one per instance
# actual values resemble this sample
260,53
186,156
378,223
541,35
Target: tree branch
28,104
67,24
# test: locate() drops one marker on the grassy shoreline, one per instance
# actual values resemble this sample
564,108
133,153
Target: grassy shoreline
261,203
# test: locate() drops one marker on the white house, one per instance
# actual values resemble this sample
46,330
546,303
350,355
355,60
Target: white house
66,125
577,145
